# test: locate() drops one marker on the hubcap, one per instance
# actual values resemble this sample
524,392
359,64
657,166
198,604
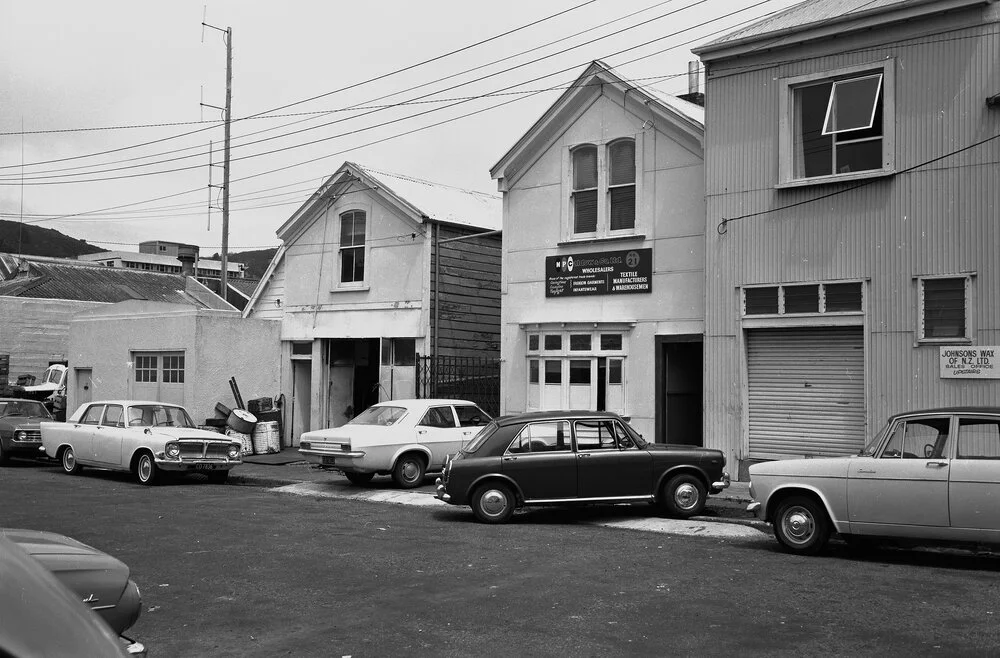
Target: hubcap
798,525
410,471
686,496
493,502
144,468
69,460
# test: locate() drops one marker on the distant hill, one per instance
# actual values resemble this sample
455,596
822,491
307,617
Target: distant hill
31,240
256,261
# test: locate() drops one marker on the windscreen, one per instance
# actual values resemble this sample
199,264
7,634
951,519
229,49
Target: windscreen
379,415
157,415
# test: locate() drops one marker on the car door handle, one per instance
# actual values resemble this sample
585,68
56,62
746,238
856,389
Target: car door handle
421,431
510,459
581,455
862,470
936,464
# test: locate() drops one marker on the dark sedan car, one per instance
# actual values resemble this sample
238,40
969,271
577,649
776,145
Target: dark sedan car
563,457
19,433
98,579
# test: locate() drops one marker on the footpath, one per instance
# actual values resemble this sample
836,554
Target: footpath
287,472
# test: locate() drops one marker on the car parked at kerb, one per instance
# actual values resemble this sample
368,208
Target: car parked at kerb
927,477
573,457
19,427
405,438
142,437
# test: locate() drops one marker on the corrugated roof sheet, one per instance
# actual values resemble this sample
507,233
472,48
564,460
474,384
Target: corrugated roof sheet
803,15
50,278
443,202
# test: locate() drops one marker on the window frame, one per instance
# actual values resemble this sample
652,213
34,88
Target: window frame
821,310
921,337
786,122
603,227
536,361
365,248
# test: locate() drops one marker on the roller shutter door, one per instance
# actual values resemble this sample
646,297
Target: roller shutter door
806,391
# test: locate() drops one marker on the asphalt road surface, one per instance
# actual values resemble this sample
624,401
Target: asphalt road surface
246,571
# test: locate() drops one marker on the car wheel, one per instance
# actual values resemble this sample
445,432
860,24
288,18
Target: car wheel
409,471
684,496
801,526
493,503
146,471
4,457
68,460
218,477
359,478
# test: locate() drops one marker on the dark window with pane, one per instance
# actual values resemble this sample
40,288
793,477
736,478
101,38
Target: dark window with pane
802,299
533,342
614,371
761,301
585,189
553,372
352,247
843,297
553,342
611,342
944,308
579,342
579,371
173,369
404,351
621,184
146,368
533,371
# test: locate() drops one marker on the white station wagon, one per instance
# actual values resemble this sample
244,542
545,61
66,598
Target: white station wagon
406,438
928,476
142,437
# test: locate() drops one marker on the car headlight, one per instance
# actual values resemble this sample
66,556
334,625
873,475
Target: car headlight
20,435
234,450
304,445
173,450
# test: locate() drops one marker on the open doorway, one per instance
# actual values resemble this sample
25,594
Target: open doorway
354,378
679,393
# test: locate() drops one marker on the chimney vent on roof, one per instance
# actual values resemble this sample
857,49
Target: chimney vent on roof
693,95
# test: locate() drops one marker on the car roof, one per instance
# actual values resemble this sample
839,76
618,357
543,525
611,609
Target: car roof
132,403
19,400
421,403
949,410
565,414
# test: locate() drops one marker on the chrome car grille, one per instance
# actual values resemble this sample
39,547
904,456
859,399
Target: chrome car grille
200,449
31,435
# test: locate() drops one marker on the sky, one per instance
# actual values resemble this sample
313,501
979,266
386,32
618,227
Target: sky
106,119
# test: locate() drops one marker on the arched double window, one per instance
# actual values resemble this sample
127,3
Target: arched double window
603,188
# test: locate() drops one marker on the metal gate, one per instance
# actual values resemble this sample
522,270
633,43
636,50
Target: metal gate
476,379
807,391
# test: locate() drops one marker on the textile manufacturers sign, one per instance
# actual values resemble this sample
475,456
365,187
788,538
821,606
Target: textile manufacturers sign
970,362
599,273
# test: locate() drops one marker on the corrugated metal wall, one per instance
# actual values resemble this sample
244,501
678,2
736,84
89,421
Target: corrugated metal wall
940,219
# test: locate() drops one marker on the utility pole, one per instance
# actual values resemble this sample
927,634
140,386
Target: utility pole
224,283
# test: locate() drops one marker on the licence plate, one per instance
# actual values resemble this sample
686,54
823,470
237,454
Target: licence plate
206,467
330,460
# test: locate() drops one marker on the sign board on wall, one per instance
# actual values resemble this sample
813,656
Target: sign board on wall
599,273
970,362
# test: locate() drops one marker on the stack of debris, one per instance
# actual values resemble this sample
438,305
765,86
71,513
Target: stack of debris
258,428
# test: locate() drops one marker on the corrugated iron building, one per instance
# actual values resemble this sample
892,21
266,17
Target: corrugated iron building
853,250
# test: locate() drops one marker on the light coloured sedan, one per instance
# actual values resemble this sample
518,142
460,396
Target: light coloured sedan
929,476
405,438
139,436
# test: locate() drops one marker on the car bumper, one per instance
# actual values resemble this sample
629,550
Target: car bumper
721,483
440,492
15,447
352,461
197,464
757,509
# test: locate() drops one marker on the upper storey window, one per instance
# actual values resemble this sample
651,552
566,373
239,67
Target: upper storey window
603,194
352,247
837,125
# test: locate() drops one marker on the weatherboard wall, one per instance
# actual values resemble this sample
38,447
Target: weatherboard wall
940,219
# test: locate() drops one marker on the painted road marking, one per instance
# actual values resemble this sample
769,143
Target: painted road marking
694,528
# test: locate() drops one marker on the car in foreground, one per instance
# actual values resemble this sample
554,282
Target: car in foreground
142,437
405,438
44,610
20,435
573,457
927,477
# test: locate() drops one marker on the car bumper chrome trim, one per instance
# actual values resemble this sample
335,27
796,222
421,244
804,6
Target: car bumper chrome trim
442,493
315,452
753,506
722,484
